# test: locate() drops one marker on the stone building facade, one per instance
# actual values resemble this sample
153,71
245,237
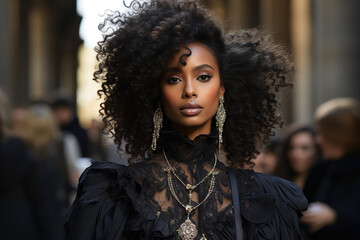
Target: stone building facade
39,46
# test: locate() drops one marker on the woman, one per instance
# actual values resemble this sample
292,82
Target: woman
298,154
332,186
267,159
179,92
24,213
40,132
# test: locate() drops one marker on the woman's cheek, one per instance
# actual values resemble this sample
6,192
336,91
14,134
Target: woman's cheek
213,96
169,96
169,101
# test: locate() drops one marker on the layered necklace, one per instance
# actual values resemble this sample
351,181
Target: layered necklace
187,230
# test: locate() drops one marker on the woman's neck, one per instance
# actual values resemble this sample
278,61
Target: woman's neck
180,147
192,132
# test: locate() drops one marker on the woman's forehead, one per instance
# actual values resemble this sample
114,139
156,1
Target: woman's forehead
196,53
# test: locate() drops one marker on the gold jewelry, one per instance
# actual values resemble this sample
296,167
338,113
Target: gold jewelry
220,119
189,186
158,121
203,237
187,230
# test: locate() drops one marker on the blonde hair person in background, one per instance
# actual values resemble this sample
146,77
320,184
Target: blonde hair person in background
25,213
333,185
338,123
40,131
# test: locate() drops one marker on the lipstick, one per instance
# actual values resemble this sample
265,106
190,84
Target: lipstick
191,109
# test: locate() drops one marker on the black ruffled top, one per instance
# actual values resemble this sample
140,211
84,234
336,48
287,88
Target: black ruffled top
134,202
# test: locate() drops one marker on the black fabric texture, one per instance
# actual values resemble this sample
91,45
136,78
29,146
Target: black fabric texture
134,202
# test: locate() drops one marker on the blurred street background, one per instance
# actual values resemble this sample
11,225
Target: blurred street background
43,55
50,102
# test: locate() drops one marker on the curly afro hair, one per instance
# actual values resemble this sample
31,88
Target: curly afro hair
134,54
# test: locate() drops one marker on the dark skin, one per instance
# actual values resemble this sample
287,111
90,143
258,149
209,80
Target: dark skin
191,93
251,67
190,97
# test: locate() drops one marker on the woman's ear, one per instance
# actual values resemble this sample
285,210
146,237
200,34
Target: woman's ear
221,91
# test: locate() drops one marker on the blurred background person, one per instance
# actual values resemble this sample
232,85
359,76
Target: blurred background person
69,123
41,134
17,116
75,138
267,160
23,204
333,186
97,141
299,151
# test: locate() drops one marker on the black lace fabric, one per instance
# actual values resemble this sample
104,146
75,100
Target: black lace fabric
135,202
193,160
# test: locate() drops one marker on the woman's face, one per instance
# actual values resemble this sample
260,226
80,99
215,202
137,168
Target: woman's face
190,94
302,152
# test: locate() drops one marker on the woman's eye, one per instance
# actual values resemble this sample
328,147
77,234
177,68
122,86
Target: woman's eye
204,78
173,80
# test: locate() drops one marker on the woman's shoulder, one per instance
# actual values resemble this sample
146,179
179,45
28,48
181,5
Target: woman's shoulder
284,190
100,168
104,179
105,195
276,186
281,191
271,203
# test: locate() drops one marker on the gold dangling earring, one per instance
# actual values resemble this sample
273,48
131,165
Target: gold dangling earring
158,121
220,120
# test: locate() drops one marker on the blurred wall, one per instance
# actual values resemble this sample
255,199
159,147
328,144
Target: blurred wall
39,49
39,46
323,39
336,49
4,43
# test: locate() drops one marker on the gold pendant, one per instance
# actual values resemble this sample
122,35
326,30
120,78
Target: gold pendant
187,230
203,237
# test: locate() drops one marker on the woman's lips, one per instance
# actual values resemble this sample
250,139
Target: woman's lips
191,109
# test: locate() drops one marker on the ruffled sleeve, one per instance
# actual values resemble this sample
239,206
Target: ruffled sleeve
102,205
289,201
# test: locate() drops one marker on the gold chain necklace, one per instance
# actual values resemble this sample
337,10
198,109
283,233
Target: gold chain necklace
187,230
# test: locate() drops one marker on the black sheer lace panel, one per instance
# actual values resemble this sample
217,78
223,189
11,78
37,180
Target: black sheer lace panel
193,159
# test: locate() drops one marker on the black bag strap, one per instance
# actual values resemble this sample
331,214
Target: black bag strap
236,204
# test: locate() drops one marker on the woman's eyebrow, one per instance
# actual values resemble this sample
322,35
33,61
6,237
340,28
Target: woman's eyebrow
203,66
177,69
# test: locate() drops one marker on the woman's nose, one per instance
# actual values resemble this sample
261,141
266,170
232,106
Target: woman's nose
189,89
